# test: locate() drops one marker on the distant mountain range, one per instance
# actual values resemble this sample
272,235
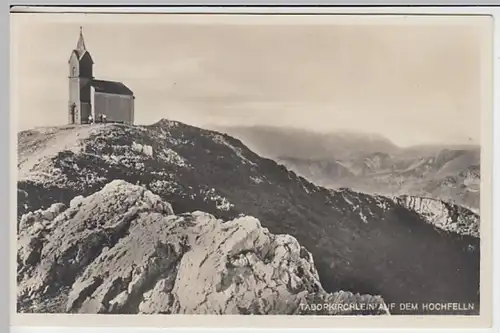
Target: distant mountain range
129,219
371,163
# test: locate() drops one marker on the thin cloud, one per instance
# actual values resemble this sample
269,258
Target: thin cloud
410,83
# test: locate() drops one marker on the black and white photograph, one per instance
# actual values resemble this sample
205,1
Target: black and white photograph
245,165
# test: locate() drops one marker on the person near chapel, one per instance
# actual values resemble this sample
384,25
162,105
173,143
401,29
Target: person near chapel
88,95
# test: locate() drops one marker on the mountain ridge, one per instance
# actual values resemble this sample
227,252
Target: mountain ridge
200,170
447,172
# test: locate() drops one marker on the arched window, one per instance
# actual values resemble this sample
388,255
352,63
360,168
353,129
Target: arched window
73,71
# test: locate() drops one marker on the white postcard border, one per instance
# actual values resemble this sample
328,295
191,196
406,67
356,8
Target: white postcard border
283,321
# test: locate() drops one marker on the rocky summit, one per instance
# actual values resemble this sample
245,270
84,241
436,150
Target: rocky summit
123,250
171,218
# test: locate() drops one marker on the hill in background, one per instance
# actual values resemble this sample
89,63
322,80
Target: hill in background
371,163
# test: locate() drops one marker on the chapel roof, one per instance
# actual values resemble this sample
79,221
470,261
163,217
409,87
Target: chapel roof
111,87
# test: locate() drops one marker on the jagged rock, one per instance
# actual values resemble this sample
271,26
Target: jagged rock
76,236
360,242
144,149
122,250
445,216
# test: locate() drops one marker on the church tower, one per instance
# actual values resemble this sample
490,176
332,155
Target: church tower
80,80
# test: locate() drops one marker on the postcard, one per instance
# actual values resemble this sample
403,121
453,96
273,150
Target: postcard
251,170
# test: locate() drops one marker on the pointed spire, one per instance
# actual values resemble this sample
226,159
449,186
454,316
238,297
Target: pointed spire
80,46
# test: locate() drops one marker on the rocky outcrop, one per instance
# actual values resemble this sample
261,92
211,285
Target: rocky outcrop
123,250
360,242
443,215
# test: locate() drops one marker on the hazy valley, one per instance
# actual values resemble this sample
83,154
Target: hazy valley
371,163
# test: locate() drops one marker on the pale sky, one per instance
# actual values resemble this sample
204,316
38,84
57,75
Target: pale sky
411,82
